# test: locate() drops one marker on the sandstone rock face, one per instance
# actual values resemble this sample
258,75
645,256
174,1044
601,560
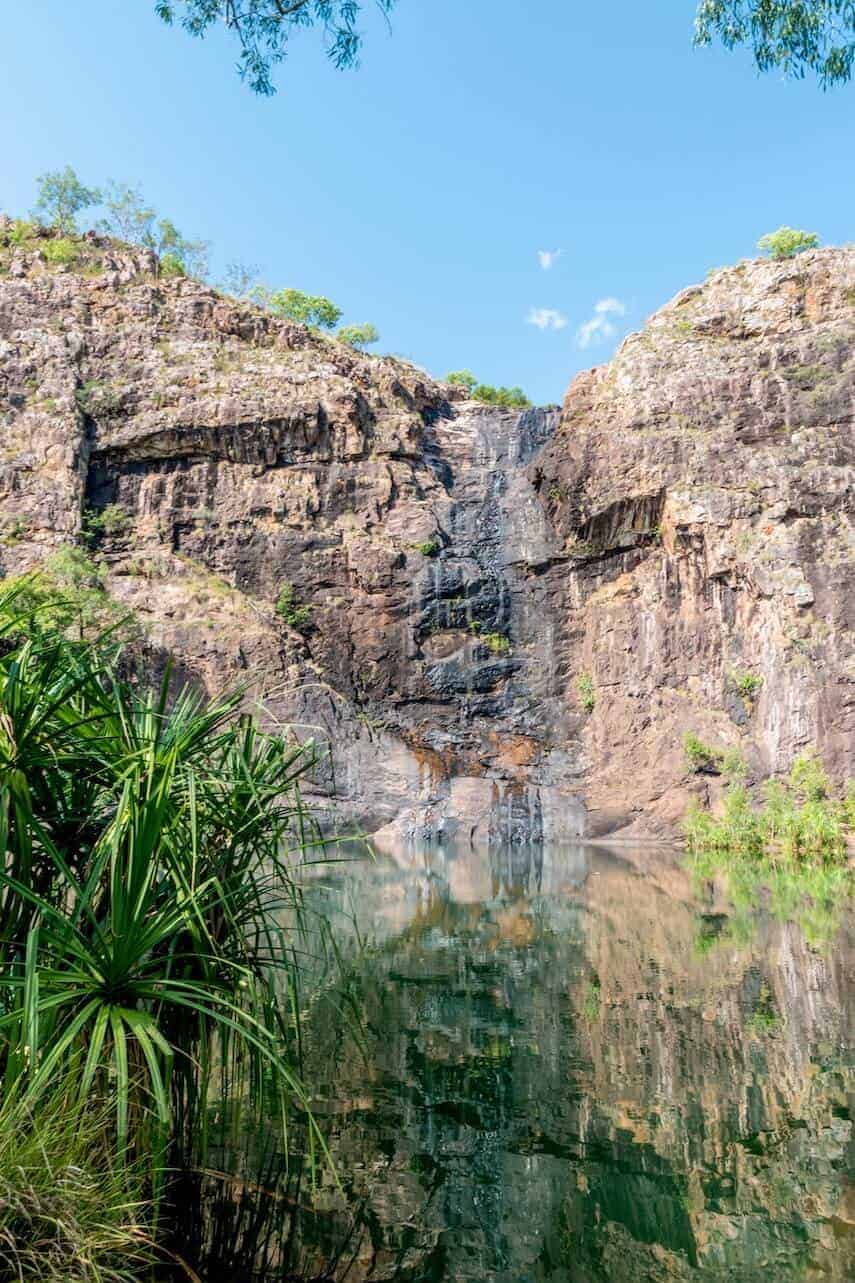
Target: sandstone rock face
704,483
513,618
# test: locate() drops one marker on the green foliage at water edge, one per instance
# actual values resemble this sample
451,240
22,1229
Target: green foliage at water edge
148,909
70,1212
799,822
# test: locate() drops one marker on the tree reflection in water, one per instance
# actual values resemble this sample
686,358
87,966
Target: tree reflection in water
568,1066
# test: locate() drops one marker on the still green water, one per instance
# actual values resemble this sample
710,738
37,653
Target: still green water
577,1066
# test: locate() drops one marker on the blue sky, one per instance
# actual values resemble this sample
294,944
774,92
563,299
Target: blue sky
417,191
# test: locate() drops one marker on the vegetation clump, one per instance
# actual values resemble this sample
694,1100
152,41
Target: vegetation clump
787,242
746,683
504,398
586,692
287,608
498,643
61,197
313,310
13,532
107,523
61,251
461,379
171,266
703,758
93,396
68,594
799,822
148,928
358,336
68,1209
22,232
428,547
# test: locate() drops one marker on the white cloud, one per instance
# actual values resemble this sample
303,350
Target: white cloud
546,318
547,257
599,326
610,305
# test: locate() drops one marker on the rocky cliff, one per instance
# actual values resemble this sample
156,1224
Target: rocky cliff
503,623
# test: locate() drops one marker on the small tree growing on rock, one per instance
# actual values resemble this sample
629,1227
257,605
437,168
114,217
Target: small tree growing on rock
462,379
130,219
240,279
358,336
61,197
306,309
787,242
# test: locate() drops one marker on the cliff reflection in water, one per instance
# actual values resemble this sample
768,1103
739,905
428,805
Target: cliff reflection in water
568,1070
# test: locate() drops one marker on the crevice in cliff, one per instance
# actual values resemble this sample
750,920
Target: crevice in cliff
623,524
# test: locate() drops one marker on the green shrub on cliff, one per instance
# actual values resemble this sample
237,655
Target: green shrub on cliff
67,594
504,398
787,242
746,683
306,309
699,755
111,523
171,265
428,547
462,379
61,251
586,691
22,232
358,336
497,643
295,616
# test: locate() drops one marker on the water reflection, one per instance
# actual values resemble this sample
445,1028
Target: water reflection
553,1078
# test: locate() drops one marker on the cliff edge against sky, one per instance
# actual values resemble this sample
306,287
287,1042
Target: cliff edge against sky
504,623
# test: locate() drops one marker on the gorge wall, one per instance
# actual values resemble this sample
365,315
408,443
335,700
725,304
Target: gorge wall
514,617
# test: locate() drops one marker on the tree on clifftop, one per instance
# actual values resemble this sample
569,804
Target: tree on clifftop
130,219
61,197
264,27
797,36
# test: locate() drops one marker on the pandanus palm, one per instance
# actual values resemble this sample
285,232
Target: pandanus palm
148,908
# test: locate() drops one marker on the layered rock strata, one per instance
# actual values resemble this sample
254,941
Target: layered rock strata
503,623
